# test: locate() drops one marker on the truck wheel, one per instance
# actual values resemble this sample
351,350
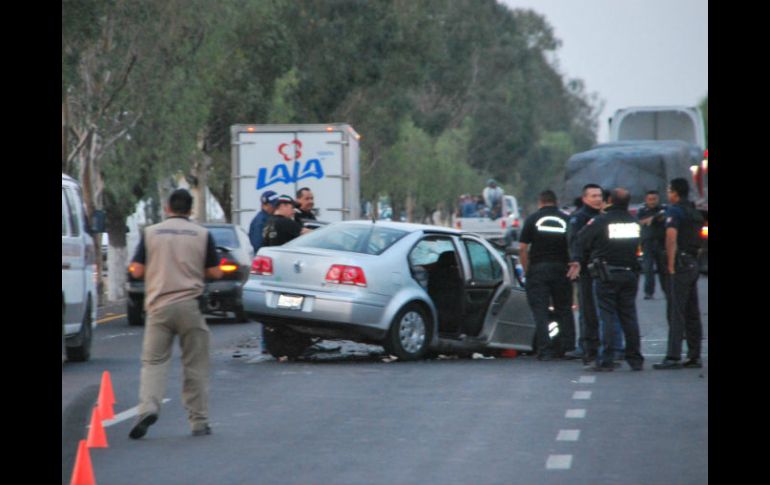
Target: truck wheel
409,334
284,342
79,349
135,312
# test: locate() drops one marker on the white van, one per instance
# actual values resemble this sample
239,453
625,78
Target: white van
78,274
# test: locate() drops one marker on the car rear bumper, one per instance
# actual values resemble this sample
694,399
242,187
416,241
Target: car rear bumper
321,314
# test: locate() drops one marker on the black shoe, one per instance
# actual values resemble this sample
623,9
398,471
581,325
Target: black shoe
648,297
546,357
692,364
573,354
636,367
140,428
668,364
601,368
202,431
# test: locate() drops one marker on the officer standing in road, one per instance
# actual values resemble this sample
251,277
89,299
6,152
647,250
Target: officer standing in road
683,224
281,227
268,200
589,323
174,257
305,204
612,239
652,218
544,256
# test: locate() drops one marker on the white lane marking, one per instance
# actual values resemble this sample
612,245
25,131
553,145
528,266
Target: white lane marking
568,435
587,380
127,414
575,413
558,462
582,395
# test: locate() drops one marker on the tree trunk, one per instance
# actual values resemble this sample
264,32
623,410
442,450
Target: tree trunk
409,208
117,258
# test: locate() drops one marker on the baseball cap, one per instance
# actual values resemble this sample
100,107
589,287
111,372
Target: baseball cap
269,197
284,199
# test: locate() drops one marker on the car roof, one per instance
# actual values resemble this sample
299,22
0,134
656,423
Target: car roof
404,226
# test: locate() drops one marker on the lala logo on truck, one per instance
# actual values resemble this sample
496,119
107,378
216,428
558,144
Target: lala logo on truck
283,173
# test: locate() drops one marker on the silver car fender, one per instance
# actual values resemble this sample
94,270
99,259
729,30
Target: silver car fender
405,296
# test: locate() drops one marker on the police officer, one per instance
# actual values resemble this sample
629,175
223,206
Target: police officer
281,226
683,224
652,218
589,323
257,226
544,256
612,239
173,258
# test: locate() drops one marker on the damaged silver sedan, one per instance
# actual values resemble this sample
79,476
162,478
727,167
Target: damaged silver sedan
411,288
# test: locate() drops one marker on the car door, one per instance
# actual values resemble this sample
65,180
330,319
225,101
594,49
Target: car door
494,302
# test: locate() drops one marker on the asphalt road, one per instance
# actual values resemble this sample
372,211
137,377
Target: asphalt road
347,417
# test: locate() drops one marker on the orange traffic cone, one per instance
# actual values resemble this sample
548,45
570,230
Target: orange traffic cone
97,438
509,353
106,397
83,473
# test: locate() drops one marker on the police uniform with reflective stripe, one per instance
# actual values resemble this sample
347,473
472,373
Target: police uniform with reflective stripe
613,237
589,322
683,308
546,233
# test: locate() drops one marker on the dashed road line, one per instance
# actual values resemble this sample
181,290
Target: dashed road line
568,435
582,395
575,413
559,462
587,380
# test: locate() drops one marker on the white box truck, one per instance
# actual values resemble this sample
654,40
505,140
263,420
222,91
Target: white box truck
285,158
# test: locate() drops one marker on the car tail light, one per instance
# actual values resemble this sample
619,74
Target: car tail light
704,232
639,252
502,223
227,265
516,222
346,275
262,265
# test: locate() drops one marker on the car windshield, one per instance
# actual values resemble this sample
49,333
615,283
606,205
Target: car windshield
224,236
366,239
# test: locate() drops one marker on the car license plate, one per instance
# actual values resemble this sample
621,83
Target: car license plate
293,302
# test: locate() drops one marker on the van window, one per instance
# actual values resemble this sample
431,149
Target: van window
73,213
64,214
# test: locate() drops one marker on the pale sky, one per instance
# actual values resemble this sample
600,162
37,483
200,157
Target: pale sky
631,52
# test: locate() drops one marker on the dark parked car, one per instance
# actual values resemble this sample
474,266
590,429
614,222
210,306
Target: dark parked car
235,253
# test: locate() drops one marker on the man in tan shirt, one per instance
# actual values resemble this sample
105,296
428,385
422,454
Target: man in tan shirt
174,257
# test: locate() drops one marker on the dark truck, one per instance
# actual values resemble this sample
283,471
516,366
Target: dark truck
639,166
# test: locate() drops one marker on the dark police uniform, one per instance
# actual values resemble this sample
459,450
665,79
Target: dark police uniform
589,323
613,238
654,248
300,216
280,230
546,233
683,310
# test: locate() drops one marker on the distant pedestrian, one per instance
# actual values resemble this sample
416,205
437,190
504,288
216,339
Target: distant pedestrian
544,256
589,322
683,224
612,239
493,199
174,257
268,200
652,217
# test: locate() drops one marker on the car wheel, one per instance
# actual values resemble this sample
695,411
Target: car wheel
284,342
80,350
240,313
409,334
135,312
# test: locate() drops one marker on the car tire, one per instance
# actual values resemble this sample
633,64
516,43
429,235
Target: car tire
285,342
240,313
79,349
135,312
410,333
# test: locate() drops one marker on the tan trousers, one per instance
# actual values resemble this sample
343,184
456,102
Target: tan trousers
184,319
